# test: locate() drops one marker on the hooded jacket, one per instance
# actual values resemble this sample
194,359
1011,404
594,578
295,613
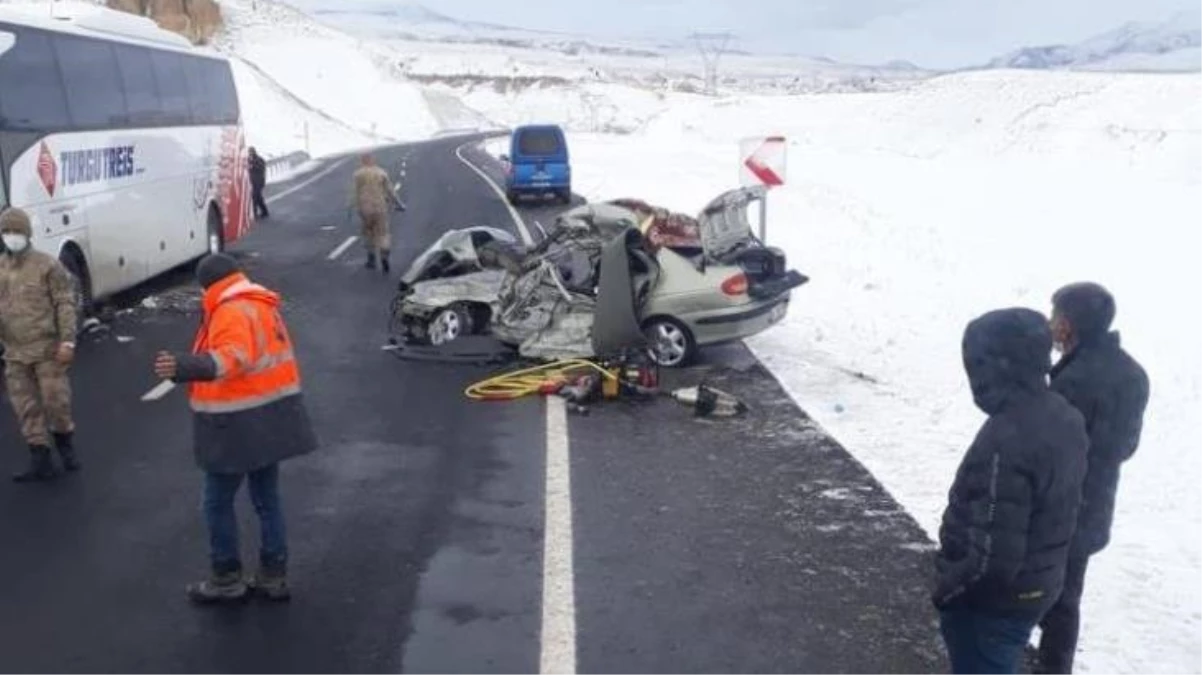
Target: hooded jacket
1110,389
244,383
1012,508
37,299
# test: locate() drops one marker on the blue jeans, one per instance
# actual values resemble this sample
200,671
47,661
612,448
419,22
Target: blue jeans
219,493
978,642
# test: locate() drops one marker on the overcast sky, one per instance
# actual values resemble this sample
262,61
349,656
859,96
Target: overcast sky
935,33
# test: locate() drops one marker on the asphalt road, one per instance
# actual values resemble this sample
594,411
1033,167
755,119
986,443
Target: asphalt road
417,532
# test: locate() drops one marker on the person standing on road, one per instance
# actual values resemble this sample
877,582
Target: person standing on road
258,179
1111,390
38,318
372,194
1012,507
248,416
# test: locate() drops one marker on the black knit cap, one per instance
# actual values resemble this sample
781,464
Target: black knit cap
214,268
1089,308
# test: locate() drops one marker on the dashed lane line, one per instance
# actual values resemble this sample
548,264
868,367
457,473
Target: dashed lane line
558,638
342,247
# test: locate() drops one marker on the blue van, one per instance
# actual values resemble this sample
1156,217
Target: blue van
538,163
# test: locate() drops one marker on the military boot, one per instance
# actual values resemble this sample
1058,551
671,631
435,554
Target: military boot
371,261
66,451
271,583
224,587
41,467
385,264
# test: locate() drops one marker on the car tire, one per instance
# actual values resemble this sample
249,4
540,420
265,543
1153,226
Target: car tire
671,343
449,324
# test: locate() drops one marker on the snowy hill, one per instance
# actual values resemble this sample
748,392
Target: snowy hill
1172,46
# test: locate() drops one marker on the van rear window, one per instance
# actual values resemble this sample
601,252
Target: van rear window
539,142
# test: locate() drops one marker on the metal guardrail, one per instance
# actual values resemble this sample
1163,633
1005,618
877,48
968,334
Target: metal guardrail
285,163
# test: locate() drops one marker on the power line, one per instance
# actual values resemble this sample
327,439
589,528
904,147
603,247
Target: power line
711,46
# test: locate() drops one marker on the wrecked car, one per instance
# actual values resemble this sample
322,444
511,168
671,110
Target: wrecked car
605,279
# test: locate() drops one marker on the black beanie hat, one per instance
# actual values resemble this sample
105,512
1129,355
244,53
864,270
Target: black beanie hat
214,268
1089,308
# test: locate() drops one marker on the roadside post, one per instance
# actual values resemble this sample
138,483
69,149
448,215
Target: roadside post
762,163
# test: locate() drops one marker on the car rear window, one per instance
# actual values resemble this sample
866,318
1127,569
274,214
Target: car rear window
539,142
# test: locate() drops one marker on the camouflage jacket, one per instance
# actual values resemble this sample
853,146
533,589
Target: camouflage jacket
372,191
37,306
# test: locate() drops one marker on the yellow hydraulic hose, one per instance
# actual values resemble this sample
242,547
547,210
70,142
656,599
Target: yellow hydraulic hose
543,379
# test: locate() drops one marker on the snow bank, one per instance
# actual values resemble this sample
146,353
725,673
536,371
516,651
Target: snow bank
915,211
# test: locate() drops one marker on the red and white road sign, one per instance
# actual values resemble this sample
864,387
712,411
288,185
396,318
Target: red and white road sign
762,161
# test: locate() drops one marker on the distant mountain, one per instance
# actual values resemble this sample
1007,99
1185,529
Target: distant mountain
1172,46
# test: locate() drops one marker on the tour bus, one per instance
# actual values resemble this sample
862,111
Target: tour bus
122,142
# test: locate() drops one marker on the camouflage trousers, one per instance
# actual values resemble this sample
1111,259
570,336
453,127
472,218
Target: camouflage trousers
40,394
377,232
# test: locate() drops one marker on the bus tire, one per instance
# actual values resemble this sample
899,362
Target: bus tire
214,237
72,259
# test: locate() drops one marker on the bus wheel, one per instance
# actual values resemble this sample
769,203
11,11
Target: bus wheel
215,238
78,269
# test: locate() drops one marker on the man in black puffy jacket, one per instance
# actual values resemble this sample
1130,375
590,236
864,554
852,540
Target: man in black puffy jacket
1013,506
1111,390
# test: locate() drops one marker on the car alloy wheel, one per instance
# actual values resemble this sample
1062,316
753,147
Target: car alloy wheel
448,325
670,343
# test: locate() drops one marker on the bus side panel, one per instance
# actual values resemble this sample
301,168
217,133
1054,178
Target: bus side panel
233,184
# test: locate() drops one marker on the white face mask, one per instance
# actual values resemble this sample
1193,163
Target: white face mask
15,242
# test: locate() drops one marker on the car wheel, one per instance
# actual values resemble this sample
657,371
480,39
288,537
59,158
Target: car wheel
671,345
448,325
215,238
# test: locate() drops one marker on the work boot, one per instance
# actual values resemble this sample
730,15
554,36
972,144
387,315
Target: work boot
226,587
41,467
371,261
270,584
66,451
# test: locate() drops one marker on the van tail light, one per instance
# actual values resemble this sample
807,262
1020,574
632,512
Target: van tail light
736,285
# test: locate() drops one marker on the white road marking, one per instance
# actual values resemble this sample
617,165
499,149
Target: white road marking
306,183
159,391
343,247
558,640
513,213
558,653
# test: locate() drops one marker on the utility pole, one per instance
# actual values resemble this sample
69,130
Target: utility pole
711,47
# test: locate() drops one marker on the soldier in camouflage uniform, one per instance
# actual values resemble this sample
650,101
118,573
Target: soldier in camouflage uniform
37,329
371,195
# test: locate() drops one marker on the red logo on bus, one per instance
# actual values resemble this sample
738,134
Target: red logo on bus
47,169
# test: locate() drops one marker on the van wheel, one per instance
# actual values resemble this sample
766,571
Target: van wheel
215,238
82,281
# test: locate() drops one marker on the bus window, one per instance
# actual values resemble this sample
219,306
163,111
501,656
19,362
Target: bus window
173,89
198,91
33,97
225,96
95,97
137,78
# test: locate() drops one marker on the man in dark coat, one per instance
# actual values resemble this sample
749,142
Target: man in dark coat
1110,389
248,416
258,179
1013,506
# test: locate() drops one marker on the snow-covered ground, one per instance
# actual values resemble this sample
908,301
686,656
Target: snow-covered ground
915,211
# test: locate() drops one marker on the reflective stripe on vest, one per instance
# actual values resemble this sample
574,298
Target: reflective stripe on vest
244,384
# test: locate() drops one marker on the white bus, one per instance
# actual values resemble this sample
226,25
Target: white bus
121,140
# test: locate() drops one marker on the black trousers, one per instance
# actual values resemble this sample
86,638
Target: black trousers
260,204
1062,623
